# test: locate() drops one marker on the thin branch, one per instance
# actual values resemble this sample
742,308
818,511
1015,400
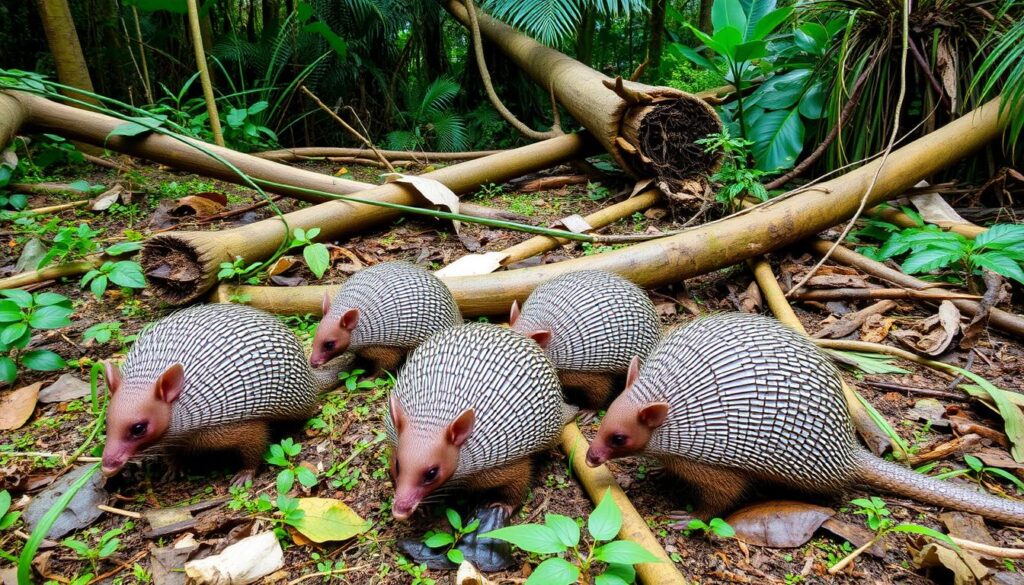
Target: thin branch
347,127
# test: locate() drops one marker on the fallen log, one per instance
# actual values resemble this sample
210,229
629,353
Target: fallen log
182,266
317,152
718,244
649,130
12,115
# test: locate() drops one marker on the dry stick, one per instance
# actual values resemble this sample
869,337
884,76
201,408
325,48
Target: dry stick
135,63
320,152
780,307
105,163
204,73
52,273
485,77
119,511
346,126
885,155
927,70
121,567
844,294
596,481
844,116
45,188
55,208
988,549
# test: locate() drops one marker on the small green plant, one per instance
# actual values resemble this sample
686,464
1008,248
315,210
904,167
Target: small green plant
281,455
929,248
735,175
560,535
102,333
326,567
104,547
415,571
590,249
878,518
239,270
443,539
47,150
351,381
490,190
243,130
318,258
70,244
597,191
22,313
141,574
15,201
7,519
978,470
715,526
124,273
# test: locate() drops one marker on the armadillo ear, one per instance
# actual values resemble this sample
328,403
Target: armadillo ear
513,314
349,319
542,337
170,383
461,428
325,304
112,375
397,414
653,415
634,371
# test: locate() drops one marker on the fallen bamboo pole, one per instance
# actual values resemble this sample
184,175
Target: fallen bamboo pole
649,130
318,152
12,115
52,272
893,215
182,266
596,481
726,242
1002,320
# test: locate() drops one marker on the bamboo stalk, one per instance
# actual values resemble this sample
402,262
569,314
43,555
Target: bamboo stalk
12,115
845,294
725,242
56,208
51,273
314,152
596,481
204,73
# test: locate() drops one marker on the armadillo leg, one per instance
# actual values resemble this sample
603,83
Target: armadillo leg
382,358
588,390
505,487
249,438
717,489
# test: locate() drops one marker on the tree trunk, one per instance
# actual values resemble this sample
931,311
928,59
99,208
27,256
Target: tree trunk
585,37
649,130
67,52
12,115
705,16
204,73
715,245
656,43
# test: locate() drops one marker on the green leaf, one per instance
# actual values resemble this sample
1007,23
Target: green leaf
128,273
439,539
42,360
48,298
928,260
693,56
236,117
12,333
258,107
606,519
782,91
10,312
778,139
566,528
721,528
766,24
318,258
285,481
624,552
5,502
109,547
728,13
21,298
8,370
617,574
50,317
1000,236
129,129
98,285
973,462
453,518
554,571
76,545
1013,418
812,105
455,555
997,262
8,520
123,248
533,538
305,476
726,41
81,185
750,51
925,531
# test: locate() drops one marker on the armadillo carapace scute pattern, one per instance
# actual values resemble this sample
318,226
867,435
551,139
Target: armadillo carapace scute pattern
598,321
505,378
240,364
747,392
399,304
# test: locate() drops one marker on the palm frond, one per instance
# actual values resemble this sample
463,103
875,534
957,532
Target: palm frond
438,97
450,132
549,21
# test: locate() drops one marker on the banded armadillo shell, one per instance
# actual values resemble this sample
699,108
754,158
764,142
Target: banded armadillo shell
598,321
240,364
399,304
504,377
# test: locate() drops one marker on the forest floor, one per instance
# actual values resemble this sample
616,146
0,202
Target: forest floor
346,445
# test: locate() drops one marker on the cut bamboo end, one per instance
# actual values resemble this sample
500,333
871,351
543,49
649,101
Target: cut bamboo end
181,266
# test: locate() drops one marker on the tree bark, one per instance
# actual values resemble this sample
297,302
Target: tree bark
67,52
649,130
12,115
705,16
585,37
657,36
715,245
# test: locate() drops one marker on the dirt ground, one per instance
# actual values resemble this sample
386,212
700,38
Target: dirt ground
349,451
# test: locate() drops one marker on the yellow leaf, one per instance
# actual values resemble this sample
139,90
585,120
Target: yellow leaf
327,519
341,171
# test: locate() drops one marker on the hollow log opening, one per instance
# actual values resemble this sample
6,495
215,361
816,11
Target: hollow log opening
667,135
174,268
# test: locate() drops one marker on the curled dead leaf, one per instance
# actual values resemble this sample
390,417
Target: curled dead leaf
17,406
932,336
107,198
200,204
779,523
965,567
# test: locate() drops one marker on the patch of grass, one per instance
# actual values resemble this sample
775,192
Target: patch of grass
176,190
521,203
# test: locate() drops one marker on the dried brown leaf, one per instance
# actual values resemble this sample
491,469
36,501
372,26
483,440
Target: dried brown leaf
17,406
779,523
965,567
932,336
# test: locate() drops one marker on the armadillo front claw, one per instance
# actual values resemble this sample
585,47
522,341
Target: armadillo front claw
489,555
242,477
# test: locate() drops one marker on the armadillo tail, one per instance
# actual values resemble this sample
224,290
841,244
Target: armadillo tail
325,378
901,480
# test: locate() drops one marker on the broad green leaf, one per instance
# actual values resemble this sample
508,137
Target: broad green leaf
305,476
728,13
750,51
9,312
708,40
617,574
8,520
778,139
453,518
5,502
12,333
318,258
109,547
129,129
42,360
624,552
8,371
258,107
327,520
812,37
285,481
236,117
721,528
870,363
81,185
694,57
21,298
928,260
123,248
50,317
783,91
533,538
925,531
455,555
812,105
1013,417
998,262
98,286
566,528
973,462
49,298
128,273
766,24
727,41
606,519
439,539
1000,236
554,571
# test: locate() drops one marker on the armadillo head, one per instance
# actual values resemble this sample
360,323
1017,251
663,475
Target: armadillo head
541,336
138,416
333,334
627,426
421,464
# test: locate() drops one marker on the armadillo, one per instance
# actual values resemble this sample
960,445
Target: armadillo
381,313
590,323
209,377
734,401
470,407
